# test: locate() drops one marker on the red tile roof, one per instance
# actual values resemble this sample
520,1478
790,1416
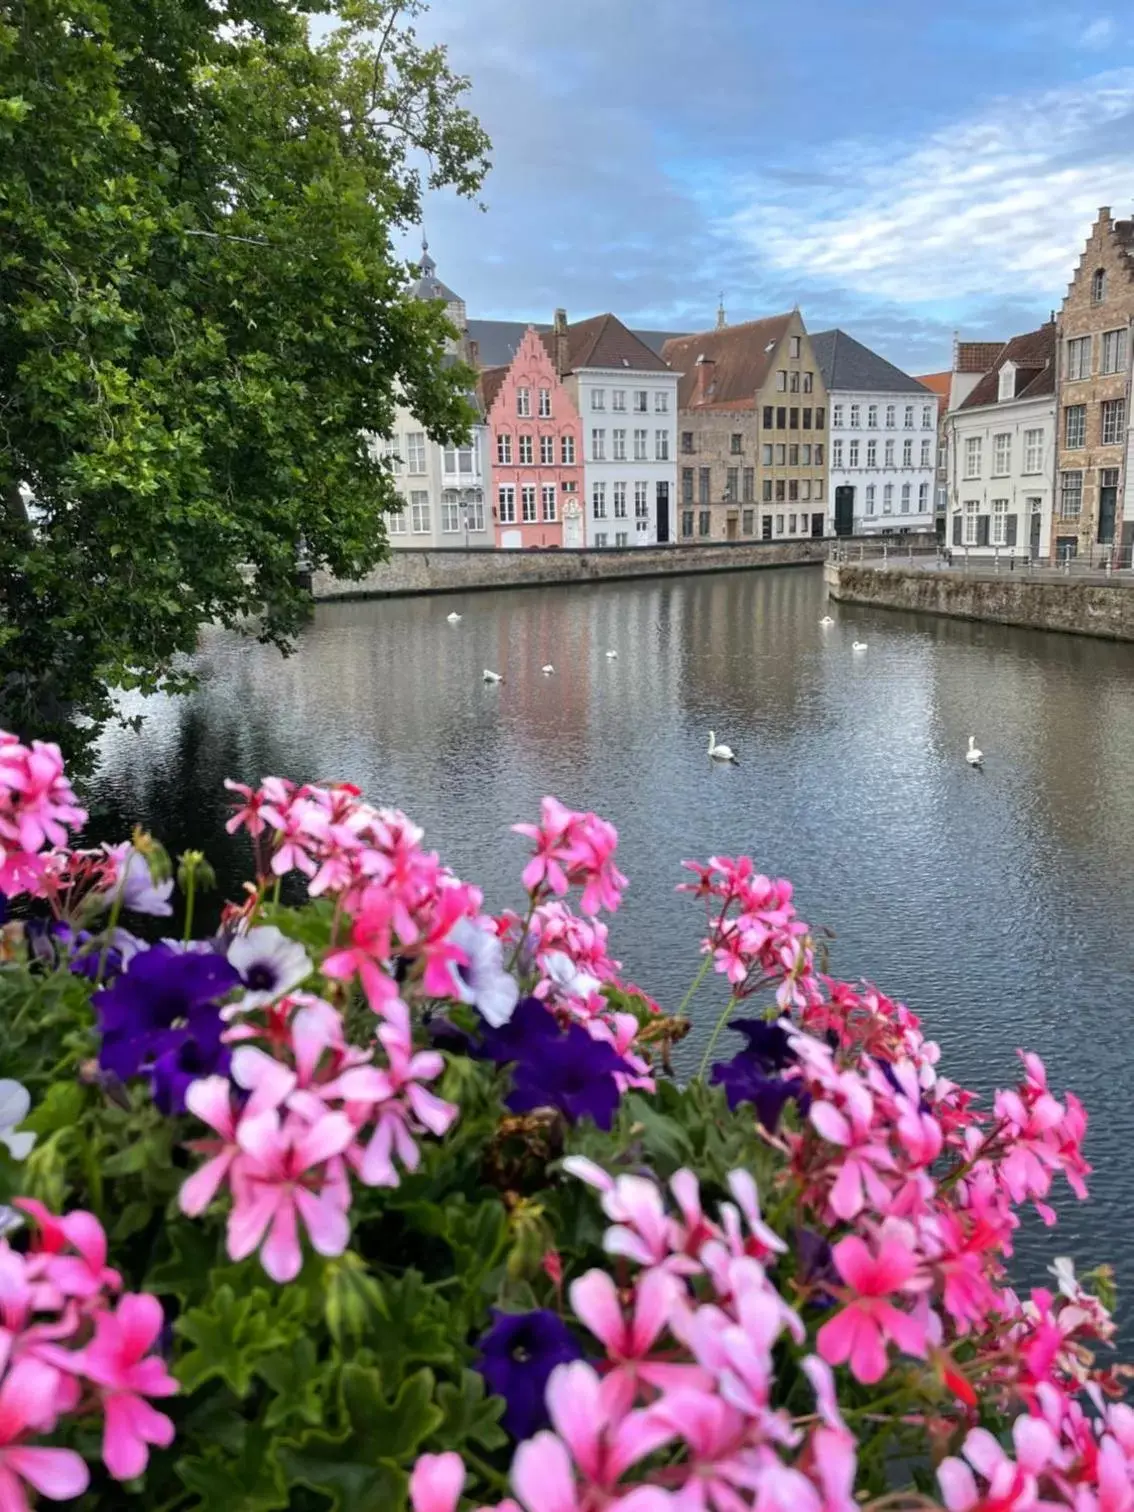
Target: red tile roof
976,356
940,384
741,356
489,385
1034,356
604,342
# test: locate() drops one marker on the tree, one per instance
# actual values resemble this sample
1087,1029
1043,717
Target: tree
202,316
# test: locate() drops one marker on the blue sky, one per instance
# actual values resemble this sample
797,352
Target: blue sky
899,170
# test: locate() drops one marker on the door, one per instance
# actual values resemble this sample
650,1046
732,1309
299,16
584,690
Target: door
732,527
844,510
573,526
1034,538
1108,507
663,513
766,528
817,526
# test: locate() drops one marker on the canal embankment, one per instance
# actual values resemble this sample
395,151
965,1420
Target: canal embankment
1094,605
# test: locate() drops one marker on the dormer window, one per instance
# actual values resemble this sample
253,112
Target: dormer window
1098,286
1008,381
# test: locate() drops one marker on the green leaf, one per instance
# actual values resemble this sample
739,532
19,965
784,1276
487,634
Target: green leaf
231,1335
252,1481
295,1377
469,1413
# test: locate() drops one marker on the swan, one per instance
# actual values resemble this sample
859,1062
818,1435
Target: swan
858,645
454,618
826,620
719,752
611,655
548,670
972,755
492,677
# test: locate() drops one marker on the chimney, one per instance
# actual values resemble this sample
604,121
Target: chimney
706,371
474,353
559,343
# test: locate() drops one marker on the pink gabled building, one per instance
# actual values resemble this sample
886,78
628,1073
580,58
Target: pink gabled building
535,451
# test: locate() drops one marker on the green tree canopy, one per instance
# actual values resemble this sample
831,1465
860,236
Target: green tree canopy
201,314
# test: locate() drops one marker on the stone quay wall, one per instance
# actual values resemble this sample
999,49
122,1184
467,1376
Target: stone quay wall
1104,610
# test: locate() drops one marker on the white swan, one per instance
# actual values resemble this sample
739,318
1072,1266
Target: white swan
972,755
492,677
719,752
826,620
454,618
611,655
548,670
858,645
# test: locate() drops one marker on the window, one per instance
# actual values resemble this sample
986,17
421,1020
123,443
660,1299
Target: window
927,417
458,461
1113,421
923,498
686,522
736,443
1002,454
805,453
747,521
891,417
641,401
781,381
793,346
661,446
545,404
852,454
972,457
525,450
547,451
598,399
781,490
888,499
622,538
793,420
504,449
769,413
837,453
872,417
640,445
889,454
396,523
598,445
687,485
855,416
817,490
1098,286
927,454
704,523
836,417
415,451
749,485
793,383
907,453
806,419
1114,351
567,451
732,484
419,513
818,455
909,416
618,399
1033,451
523,402
972,522
1071,495
618,493
1075,427
550,513
767,491
602,540
704,477
805,488
1078,358
641,501
870,498
661,403
598,501
766,454
687,443
943,456
906,495
506,504
779,524
618,445
450,516
474,514
781,455
808,379
781,418
999,533
793,491
791,524
527,504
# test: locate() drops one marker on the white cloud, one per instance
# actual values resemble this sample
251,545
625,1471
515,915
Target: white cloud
997,205
1099,34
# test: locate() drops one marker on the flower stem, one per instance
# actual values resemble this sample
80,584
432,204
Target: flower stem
495,1479
696,982
190,899
715,1036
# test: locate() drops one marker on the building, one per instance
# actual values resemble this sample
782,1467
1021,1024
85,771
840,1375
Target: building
939,384
753,415
1094,396
535,451
443,487
1001,444
496,342
626,399
883,439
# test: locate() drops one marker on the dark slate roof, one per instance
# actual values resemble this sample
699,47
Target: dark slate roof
848,366
429,286
499,340
741,356
1034,356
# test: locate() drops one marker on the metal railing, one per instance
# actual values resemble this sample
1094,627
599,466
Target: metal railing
1101,565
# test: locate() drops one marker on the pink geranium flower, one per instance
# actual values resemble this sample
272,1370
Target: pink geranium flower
27,1398
1011,1484
860,1332
118,1361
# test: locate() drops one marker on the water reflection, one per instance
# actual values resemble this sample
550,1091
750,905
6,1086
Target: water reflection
995,903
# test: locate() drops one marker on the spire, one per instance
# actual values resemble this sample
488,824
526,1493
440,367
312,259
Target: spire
427,265
721,321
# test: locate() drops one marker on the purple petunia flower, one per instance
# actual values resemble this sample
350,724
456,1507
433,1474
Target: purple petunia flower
573,1073
528,1034
754,1075
136,885
517,1355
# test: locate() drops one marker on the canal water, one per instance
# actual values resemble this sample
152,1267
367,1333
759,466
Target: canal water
996,903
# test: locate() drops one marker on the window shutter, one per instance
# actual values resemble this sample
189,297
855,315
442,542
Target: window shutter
957,522
1010,530
982,530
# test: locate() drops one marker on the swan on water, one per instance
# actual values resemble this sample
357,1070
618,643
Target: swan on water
610,655
548,670
826,620
858,645
719,752
972,755
492,677
453,618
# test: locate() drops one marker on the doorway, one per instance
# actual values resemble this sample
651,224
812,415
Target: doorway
844,510
732,527
663,513
817,526
1036,531
1108,504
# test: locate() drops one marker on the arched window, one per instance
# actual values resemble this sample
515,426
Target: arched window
1098,286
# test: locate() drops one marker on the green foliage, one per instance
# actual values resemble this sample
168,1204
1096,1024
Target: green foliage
201,314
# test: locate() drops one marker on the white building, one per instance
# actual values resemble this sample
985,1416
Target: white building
882,440
627,400
1001,448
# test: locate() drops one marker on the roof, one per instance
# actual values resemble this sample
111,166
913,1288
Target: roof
937,383
499,340
975,356
604,342
742,356
848,366
491,381
1034,356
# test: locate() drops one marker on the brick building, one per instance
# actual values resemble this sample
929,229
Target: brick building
1094,395
752,418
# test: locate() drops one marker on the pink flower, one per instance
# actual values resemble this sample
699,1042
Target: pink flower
210,1100
27,1397
860,1332
118,1361
83,1275
1011,1485
247,815
435,1485
628,1341
368,953
858,1180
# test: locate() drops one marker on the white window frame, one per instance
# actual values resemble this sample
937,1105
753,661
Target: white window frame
641,401
641,501
909,425
836,417
907,498
1114,350
971,522
891,416
927,420
661,402
598,445
618,500
1109,408
872,454
547,451
545,404
528,514
618,445
524,403
837,452
550,504
567,451
870,492
852,453
872,417
618,400
415,452
1033,451
998,530
923,498
855,416
973,457
598,501
907,453
1066,494
1078,362
421,516
889,453
396,523
927,453
1080,412
474,515
450,517
504,449
525,451
888,499
641,442
598,399
506,503
1001,454
661,446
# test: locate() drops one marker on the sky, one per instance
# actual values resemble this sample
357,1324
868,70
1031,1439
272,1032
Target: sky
901,171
